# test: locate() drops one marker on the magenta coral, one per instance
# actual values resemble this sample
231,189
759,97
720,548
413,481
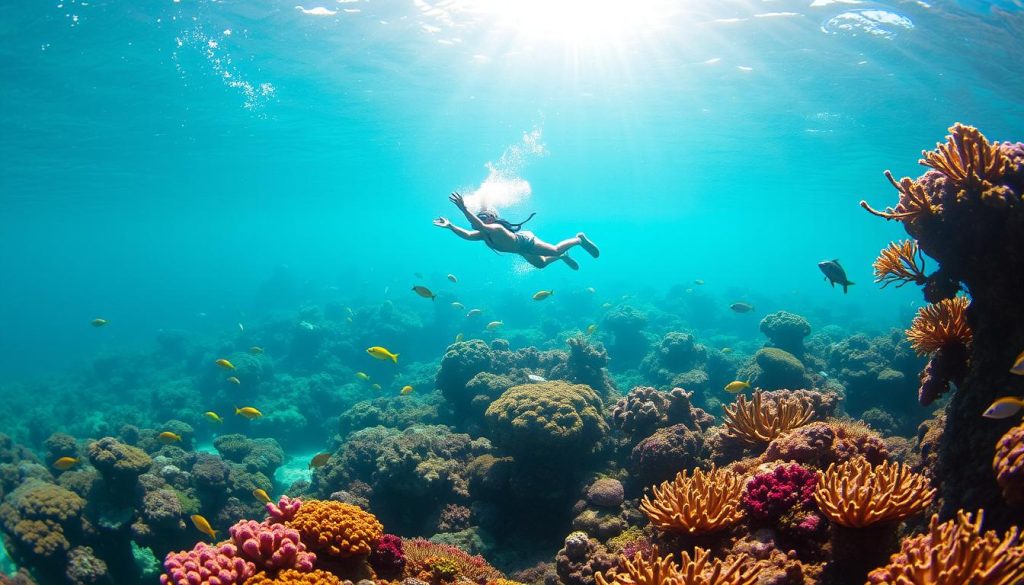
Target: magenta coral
206,565
388,557
284,510
271,547
771,494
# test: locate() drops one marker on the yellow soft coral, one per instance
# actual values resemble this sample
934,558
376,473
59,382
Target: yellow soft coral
338,529
700,569
294,577
939,325
856,494
696,504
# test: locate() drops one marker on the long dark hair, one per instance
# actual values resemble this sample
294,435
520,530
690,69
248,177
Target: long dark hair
492,217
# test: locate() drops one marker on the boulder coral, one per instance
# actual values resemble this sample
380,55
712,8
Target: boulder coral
336,529
772,368
646,409
786,331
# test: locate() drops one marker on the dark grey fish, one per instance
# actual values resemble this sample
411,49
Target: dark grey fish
835,274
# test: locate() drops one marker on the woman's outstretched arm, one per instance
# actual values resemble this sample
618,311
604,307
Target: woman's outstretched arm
459,202
442,222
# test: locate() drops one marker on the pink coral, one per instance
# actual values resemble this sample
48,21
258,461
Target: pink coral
284,510
1008,464
769,495
271,547
207,565
388,557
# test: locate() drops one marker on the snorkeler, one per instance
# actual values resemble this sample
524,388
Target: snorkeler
502,235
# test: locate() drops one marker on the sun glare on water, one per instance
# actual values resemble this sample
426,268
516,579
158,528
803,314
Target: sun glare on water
578,22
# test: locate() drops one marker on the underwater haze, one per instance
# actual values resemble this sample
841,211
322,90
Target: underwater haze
256,181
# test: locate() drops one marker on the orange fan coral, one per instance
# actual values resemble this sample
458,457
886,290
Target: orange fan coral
338,529
968,159
856,494
900,262
699,504
913,203
941,324
293,577
757,421
700,569
955,553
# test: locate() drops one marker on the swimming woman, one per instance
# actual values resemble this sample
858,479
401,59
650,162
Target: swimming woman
502,235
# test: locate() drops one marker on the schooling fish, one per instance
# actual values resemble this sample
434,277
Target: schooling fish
458,305
167,437
406,390
590,289
98,322
452,278
542,294
473,312
742,307
535,378
319,460
248,412
363,376
65,463
382,353
255,350
375,386
234,380
1018,365
591,328
424,292
261,495
225,364
494,325
736,386
203,525
1004,407
213,416
726,350
835,274
698,282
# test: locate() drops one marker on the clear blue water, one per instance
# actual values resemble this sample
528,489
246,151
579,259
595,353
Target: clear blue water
160,161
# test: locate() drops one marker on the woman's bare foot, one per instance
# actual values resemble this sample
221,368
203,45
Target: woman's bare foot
572,263
587,245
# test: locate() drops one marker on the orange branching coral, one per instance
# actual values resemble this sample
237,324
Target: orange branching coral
913,203
700,569
338,529
972,162
760,421
938,325
294,577
856,494
955,553
435,562
698,504
900,262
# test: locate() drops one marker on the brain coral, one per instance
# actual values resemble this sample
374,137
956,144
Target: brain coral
36,514
340,530
550,418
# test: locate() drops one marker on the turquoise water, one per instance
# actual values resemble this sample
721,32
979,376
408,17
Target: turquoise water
206,170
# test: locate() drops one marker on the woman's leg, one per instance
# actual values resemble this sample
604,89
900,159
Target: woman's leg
545,249
544,261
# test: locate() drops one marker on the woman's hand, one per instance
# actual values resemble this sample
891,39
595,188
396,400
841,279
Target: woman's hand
457,199
442,222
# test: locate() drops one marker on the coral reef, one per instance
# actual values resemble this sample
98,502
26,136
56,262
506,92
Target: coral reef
786,331
699,569
772,368
758,421
552,420
581,559
857,494
697,503
820,444
769,495
1008,465
646,409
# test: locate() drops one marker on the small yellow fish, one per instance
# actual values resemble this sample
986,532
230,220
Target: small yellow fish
261,495
255,350
248,412
375,386
98,322
494,325
542,294
234,380
406,390
458,337
424,292
1004,407
225,364
736,386
167,437
698,282
1018,365
591,290
65,463
203,525
458,305
726,350
591,328
363,376
452,278
382,353
213,416
319,460
473,312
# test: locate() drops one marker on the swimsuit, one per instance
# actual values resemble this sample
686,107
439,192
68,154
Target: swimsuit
525,242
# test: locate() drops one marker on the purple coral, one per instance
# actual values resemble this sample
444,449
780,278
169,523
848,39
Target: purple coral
388,556
284,510
271,546
207,565
771,494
